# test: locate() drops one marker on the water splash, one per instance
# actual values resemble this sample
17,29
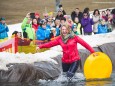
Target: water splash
62,80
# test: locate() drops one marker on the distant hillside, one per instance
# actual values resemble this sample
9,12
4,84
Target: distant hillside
15,10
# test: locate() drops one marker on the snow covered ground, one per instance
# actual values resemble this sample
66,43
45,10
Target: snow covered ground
6,57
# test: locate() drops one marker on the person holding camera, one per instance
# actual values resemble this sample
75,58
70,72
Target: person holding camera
28,31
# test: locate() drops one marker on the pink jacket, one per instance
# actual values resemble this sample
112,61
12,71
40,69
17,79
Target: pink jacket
70,51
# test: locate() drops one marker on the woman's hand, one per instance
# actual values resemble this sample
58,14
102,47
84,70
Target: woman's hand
95,54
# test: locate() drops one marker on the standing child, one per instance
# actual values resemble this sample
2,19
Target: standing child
102,27
76,21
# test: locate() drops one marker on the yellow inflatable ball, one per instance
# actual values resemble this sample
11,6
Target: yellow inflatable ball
97,66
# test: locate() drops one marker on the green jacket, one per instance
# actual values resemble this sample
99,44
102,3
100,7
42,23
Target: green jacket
28,28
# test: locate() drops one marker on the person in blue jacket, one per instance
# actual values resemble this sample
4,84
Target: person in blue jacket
102,27
43,33
3,28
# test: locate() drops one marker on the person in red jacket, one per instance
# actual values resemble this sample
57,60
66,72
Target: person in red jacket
68,41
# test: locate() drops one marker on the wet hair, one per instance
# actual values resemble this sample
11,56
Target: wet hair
95,11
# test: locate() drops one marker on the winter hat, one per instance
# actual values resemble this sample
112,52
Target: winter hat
37,14
2,18
74,25
43,21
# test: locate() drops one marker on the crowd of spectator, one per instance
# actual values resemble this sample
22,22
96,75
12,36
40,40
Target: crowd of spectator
81,23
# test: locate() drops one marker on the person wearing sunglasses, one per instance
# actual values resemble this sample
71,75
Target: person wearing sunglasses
87,23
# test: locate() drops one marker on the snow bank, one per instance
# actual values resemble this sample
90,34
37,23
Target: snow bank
6,58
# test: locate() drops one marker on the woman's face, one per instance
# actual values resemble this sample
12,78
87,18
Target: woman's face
64,31
103,14
34,21
57,22
108,12
85,15
76,20
96,13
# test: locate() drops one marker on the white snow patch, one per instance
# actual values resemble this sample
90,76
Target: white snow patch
6,58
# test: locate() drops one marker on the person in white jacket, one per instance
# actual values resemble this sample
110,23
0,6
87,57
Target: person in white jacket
96,19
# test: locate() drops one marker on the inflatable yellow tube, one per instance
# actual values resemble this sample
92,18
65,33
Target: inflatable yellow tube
98,67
